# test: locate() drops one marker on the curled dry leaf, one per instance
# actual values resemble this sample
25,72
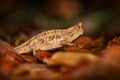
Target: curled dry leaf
112,52
43,55
115,41
86,44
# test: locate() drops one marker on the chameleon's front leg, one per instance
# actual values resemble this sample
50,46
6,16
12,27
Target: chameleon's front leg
34,52
65,42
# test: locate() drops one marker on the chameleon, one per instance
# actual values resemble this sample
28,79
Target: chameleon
51,39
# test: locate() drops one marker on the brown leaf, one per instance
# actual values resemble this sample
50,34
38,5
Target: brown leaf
112,52
35,72
69,59
86,44
29,59
9,59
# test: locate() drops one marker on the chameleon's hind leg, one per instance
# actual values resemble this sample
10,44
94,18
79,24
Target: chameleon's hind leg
34,52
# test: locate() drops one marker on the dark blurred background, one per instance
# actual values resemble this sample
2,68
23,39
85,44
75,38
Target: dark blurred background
20,19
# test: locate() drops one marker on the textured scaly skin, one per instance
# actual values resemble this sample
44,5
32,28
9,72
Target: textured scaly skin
50,39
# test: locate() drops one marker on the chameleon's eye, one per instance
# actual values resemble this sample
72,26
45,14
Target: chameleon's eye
78,26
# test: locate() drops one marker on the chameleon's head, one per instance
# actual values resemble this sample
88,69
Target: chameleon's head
75,31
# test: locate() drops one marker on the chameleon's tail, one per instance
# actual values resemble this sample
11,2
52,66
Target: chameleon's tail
22,49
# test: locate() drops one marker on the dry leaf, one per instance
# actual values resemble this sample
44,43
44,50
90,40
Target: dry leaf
69,59
9,59
86,44
35,72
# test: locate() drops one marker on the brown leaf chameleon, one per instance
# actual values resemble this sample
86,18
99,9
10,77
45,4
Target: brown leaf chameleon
51,39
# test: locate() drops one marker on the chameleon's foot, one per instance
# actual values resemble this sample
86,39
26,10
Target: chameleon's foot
66,43
80,46
34,52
